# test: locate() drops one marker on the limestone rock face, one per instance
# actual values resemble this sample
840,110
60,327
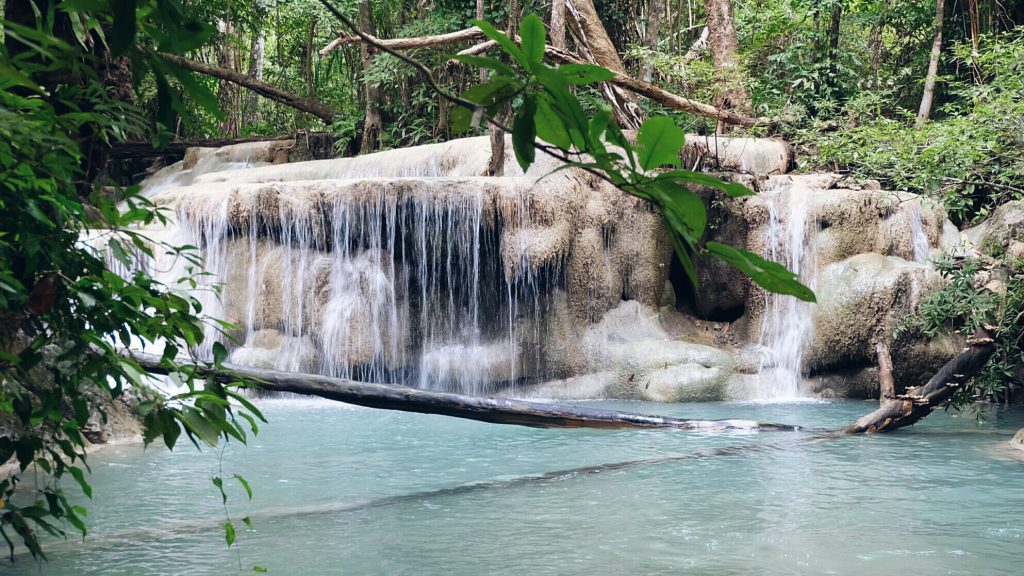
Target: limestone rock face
629,355
759,156
861,301
403,264
1018,440
1003,230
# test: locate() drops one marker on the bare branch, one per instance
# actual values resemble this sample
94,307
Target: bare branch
322,111
405,43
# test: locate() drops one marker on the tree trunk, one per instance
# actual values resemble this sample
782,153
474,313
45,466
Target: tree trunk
920,401
834,29
594,45
228,96
372,123
725,53
886,384
484,409
251,112
925,111
651,37
307,58
557,26
496,165
326,113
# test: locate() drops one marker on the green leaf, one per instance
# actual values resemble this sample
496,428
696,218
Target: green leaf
220,353
565,104
122,35
485,62
732,189
229,533
245,484
683,209
533,37
769,275
549,126
581,74
196,423
170,428
504,41
659,142
80,479
524,133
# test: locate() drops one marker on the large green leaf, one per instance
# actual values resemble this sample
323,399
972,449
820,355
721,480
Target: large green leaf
504,41
732,189
549,125
658,143
769,275
524,133
581,74
485,62
684,211
533,38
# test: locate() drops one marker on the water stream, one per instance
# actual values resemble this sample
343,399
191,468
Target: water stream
343,490
787,328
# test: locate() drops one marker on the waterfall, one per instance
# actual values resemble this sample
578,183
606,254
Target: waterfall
786,327
917,234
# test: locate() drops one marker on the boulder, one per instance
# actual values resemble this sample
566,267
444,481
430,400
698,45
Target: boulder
760,156
861,301
1000,231
1018,440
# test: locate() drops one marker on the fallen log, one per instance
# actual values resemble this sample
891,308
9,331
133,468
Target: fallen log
919,401
483,409
411,43
646,89
269,91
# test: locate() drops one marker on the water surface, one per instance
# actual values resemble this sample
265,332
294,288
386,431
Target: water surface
346,490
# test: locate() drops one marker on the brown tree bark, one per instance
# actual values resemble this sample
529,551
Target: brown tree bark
834,29
408,43
595,46
322,111
494,410
496,164
925,110
651,36
920,401
250,110
372,123
307,58
725,53
228,95
886,383
556,29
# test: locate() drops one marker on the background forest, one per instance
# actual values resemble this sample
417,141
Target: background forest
844,78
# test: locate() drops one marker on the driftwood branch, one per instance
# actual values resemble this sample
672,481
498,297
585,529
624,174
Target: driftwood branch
406,43
920,401
494,410
322,111
887,385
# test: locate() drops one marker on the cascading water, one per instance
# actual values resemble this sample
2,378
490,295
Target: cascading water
917,233
787,327
393,278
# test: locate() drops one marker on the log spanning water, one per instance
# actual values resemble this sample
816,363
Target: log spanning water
905,410
481,408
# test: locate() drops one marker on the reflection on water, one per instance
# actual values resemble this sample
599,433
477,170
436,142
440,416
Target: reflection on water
342,490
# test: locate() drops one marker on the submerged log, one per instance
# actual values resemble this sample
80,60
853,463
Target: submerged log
483,409
920,401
